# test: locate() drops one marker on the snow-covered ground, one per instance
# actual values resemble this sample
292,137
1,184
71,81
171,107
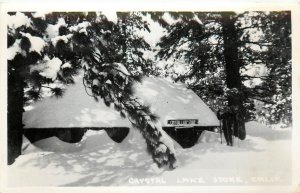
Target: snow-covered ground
264,158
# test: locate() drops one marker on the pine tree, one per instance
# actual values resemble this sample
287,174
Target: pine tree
219,47
278,98
31,57
110,54
112,63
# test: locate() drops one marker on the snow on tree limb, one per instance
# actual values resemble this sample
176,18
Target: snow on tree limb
122,69
64,38
53,30
18,20
13,50
81,27
103,50
37,43
49,68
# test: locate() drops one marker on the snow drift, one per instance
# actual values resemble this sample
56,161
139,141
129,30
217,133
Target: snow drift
77,109
264,158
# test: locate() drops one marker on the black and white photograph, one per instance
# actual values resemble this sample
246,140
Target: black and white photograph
113,98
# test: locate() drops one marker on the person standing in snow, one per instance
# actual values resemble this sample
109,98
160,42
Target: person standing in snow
232,116
229,122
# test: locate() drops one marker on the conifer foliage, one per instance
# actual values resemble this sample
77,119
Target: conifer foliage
249,51
47,52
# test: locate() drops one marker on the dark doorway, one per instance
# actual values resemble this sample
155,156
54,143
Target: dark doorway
70,135
186,137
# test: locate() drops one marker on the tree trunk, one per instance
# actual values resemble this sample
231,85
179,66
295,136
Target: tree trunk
233,78
14,116
232,69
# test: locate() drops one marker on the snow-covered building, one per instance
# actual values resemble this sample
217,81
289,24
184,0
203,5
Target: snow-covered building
182,114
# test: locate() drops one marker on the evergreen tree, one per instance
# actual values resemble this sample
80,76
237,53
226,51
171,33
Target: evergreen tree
110,54
277,85
34,65
113,61
220,47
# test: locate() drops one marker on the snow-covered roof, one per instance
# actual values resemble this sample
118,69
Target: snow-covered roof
76,109
174,101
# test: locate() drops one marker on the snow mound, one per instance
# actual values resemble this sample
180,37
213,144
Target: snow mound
209,137
74,109
28,148
77,109
53,144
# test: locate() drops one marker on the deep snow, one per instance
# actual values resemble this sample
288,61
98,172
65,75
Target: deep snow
76,109
264,158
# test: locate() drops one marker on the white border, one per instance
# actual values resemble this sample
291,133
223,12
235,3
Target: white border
155,5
